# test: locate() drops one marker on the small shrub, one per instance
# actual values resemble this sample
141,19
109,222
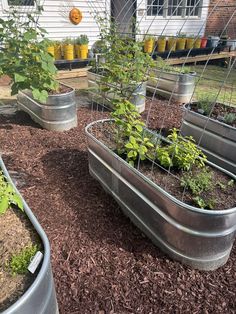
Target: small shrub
229,118
20,262
197,183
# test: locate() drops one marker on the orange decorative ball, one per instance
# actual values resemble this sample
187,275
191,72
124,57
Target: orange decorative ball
75,16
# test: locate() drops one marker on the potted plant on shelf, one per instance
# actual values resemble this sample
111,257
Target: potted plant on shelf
181,41
214,125
83,46
190,42
149,43
161,44
166,186
68,49
123,72
24,58
171,44
175,82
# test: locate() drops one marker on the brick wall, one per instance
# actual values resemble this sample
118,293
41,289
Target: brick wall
219,18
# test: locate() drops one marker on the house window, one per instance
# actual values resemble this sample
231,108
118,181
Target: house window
193,7
155,7
20,2
178,8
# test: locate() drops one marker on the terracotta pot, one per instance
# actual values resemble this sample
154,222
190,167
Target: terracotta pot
149,45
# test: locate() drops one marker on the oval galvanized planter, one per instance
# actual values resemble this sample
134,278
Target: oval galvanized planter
57,114
40,298
197,237
138,95
218,140
178,86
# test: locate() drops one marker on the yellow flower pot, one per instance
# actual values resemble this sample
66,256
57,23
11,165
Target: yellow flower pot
149,45
83,52
189,43
68,52
197,43
171,44
77,51
181,43
161,44
51,50
57,52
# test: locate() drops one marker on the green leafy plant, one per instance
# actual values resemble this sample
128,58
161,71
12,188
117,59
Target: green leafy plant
68,41
8,195
24,57
199,182
181,153
19,262
129,133
229,118
125,66
181,35
162,65
83,40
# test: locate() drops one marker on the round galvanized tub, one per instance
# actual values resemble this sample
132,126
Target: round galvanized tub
218,140
197,237
138,93
178,86
40,298
57,114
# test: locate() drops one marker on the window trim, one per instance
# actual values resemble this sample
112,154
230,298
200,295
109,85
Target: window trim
177,17
21,8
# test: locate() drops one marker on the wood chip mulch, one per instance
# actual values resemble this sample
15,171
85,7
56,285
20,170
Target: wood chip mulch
101,262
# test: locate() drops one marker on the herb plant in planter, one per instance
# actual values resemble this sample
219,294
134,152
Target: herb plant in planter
124,72
24,58
174,82
26,276
166,187
214,125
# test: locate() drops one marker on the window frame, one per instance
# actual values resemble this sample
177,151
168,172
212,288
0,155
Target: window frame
177,17
21,8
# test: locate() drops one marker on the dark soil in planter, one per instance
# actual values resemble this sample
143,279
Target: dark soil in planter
102,263
61,90
16,233
218,112
170,181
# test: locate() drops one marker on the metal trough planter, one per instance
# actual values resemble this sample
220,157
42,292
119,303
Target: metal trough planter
40,298
197,237
217,139
138,95
57,114
177,86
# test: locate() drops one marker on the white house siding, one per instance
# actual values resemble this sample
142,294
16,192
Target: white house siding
158,25
59,27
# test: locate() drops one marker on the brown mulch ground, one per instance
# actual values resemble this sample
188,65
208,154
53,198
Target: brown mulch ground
101,262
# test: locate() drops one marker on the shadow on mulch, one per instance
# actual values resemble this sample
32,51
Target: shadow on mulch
18,118
100,219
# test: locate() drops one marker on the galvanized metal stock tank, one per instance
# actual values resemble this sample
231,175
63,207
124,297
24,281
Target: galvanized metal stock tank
138,93
197,237
177,86
40,298
217,139
57,114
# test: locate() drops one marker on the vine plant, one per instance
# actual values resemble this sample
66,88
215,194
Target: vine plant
24,57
